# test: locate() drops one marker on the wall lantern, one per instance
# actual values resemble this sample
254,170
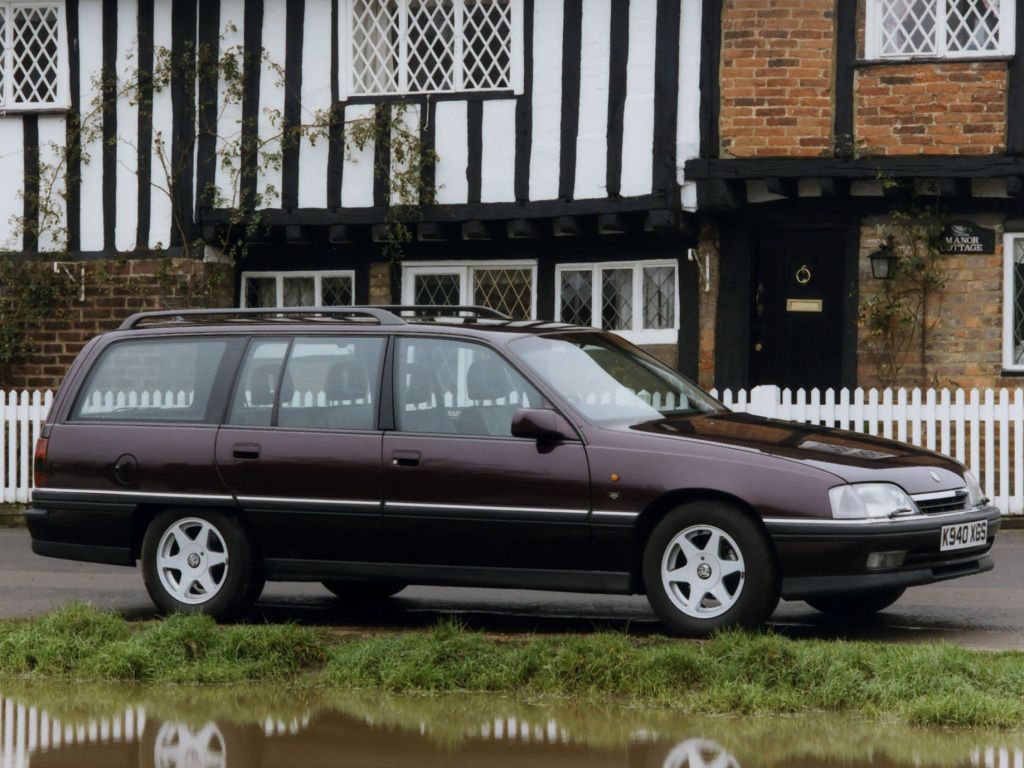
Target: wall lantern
883,261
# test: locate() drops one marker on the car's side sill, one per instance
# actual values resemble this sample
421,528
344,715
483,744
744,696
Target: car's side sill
451,576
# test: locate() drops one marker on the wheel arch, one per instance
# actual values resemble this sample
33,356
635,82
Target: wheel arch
146,513
662,505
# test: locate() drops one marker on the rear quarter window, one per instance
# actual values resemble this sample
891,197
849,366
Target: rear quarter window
152,380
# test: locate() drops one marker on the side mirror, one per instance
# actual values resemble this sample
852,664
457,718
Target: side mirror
540,424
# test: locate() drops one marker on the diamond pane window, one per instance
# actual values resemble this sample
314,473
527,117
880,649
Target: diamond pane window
298,289
635,299
33,66
437,290
939,28
1013,302
577,294
433,46
506,290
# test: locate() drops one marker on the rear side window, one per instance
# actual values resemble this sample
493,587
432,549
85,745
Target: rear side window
159,380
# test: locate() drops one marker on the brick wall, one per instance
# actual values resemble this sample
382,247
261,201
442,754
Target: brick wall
777,75
115,290
965,348
708,298
934,108
380,283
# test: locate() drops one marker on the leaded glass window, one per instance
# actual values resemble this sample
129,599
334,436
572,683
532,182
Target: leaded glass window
433,46
506,290
637,299
298,289
939,28
437,290
506,287
33,65
1013,342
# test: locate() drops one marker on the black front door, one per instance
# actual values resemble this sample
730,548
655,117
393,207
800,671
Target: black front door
796,337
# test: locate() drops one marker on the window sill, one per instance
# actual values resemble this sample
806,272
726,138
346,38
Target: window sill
1011,373
48,110
896,61
426,98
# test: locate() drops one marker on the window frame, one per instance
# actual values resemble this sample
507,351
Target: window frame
464,270
346,67
62,102
638,334
873,35
1009,241
280,275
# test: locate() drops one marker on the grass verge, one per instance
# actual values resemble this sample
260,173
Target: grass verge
734,673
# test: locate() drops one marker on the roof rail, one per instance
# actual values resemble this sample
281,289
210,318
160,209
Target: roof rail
382,315
446,310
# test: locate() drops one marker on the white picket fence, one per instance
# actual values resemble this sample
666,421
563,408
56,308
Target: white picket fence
983,429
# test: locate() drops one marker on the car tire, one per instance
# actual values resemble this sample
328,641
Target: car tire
363,591
856,604
200,561
708,566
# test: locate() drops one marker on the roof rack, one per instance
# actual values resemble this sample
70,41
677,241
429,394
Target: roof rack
384,315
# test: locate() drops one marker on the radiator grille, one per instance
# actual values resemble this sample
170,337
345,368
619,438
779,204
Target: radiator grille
934,503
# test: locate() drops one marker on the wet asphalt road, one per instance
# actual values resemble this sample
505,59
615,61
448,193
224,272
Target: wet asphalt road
985,611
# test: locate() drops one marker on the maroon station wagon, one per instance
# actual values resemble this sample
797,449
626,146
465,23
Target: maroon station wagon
370,448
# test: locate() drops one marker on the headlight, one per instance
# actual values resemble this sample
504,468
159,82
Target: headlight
975,494
870,500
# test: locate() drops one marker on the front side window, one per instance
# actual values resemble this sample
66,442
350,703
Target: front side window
608,380
901,29
506,287
1013,301
155,380
453,388
433,46
298,289
33,56
637,300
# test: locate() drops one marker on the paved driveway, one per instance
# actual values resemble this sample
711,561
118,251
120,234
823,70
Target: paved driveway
985,611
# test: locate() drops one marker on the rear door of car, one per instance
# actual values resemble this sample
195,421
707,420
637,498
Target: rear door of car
301,448
460,490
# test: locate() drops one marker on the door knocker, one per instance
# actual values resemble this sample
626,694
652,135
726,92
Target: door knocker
803,275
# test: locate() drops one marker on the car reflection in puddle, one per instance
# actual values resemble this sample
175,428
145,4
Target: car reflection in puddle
392,731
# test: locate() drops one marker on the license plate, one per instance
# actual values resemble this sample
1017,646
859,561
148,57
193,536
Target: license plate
964,535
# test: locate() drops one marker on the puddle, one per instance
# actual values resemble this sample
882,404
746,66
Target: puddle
183,728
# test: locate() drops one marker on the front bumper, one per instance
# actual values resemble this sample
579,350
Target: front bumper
826,557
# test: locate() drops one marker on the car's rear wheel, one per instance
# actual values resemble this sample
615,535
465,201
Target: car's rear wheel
708,566
364,591
856,604
200,561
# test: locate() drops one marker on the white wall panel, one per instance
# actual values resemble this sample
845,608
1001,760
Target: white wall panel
410,123
498,160
272,90
127,180
688,124
357,175
638,117
90,30
229,115
592,136
547,99
52,139
451,143
160,215
316,97
12,171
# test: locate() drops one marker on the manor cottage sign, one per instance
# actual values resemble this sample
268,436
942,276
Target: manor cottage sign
966,237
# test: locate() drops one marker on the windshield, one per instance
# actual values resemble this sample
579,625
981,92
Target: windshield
608,379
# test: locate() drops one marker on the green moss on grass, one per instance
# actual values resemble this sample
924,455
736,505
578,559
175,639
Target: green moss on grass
733,673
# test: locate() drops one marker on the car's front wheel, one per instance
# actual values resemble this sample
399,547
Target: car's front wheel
857,604
200,561
708,566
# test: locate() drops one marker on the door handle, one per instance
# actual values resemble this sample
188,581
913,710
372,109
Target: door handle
405,458
246,452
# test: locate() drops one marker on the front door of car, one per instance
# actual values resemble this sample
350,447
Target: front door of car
301,449
460,490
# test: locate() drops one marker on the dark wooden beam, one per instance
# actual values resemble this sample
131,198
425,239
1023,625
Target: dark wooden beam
565,226
846,52
1015,92
721,195
982,166
782,186
834,188
293,234
523,229
710,91
663,222
1015,186
339,233
476,230
432,231
611,224
952,188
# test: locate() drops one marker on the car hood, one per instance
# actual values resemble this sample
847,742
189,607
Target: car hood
853,457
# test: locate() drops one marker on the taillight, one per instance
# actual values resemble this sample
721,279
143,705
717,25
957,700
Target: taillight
39,471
